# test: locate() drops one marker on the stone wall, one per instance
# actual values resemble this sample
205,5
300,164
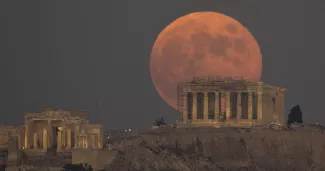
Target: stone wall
273,105
96,158
227,148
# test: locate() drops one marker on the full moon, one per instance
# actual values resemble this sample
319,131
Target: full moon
202,44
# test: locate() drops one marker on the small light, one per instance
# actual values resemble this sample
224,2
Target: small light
108,137
130,130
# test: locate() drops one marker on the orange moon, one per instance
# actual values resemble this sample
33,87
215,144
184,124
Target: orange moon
202,44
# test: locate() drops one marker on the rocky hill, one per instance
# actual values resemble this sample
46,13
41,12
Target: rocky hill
203,149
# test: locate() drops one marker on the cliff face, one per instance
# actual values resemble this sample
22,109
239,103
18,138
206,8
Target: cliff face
215,149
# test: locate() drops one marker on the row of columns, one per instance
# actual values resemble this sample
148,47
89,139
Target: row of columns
81,141
46,139
64,138
227,105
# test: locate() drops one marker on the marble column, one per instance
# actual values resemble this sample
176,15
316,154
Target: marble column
82,141
76,142
19,143
59,143
45,138
76,136
194,107
86,141
100,138
239,111
40,137
250,105
185,113
35,144
49,133
68,138
93,143
216,107
259,105
206,106
96,137
26,144
79,141
64,137
227,101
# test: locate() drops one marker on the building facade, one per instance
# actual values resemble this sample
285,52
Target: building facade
57,129
222,101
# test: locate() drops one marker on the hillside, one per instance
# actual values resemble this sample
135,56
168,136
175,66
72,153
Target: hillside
203,149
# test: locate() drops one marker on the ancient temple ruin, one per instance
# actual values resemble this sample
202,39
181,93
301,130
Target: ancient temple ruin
218,101
60,129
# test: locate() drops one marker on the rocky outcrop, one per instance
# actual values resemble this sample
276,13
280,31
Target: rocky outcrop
223,149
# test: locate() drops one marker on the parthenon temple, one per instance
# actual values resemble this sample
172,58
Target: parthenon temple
219,101
58,129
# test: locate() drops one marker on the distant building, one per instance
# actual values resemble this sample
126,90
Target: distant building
62,130
207,101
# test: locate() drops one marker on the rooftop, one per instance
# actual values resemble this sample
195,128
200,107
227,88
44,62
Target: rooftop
225,81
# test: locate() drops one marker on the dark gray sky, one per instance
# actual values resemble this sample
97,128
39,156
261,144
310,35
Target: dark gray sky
71,54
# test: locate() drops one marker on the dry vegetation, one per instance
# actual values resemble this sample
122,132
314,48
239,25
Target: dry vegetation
223,149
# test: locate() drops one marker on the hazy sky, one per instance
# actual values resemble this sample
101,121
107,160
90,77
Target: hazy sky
72,54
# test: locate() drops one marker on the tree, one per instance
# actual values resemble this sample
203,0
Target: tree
87,167
160,122
78,167
295,115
